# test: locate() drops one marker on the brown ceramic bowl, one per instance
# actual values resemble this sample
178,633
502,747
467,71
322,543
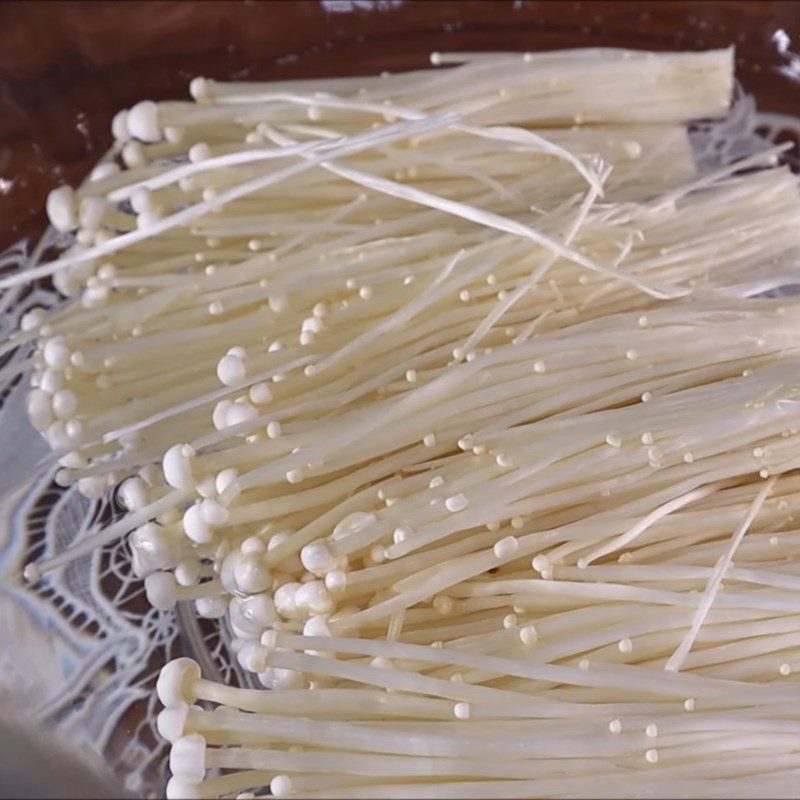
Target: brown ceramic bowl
67,67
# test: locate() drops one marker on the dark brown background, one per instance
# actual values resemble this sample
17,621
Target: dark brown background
67,67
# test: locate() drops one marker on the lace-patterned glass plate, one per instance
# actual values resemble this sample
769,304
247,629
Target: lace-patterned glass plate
82,648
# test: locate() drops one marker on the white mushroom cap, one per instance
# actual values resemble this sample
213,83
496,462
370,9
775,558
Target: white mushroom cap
195,525
143,123
161,589
187,571
214,513
317,558
244,619
252,656
152,548
176,681
259,609
211,607
56,352
62,209
171,722
187,759
281,679
286,601
316,626
134,493
177,466
226,572
40,409
231,369
314,597
119,126
225,478
281,786
250,573
179,789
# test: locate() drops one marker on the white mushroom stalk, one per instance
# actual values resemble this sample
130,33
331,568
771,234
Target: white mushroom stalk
179,322
465,398
331,742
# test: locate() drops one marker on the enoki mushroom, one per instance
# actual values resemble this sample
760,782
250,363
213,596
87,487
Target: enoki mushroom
463,398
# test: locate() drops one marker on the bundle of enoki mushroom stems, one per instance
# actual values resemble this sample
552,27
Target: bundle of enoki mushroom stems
463,398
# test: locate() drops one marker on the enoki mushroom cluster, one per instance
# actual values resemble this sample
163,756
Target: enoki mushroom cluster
464,398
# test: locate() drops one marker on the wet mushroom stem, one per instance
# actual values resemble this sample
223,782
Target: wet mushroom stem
464,399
